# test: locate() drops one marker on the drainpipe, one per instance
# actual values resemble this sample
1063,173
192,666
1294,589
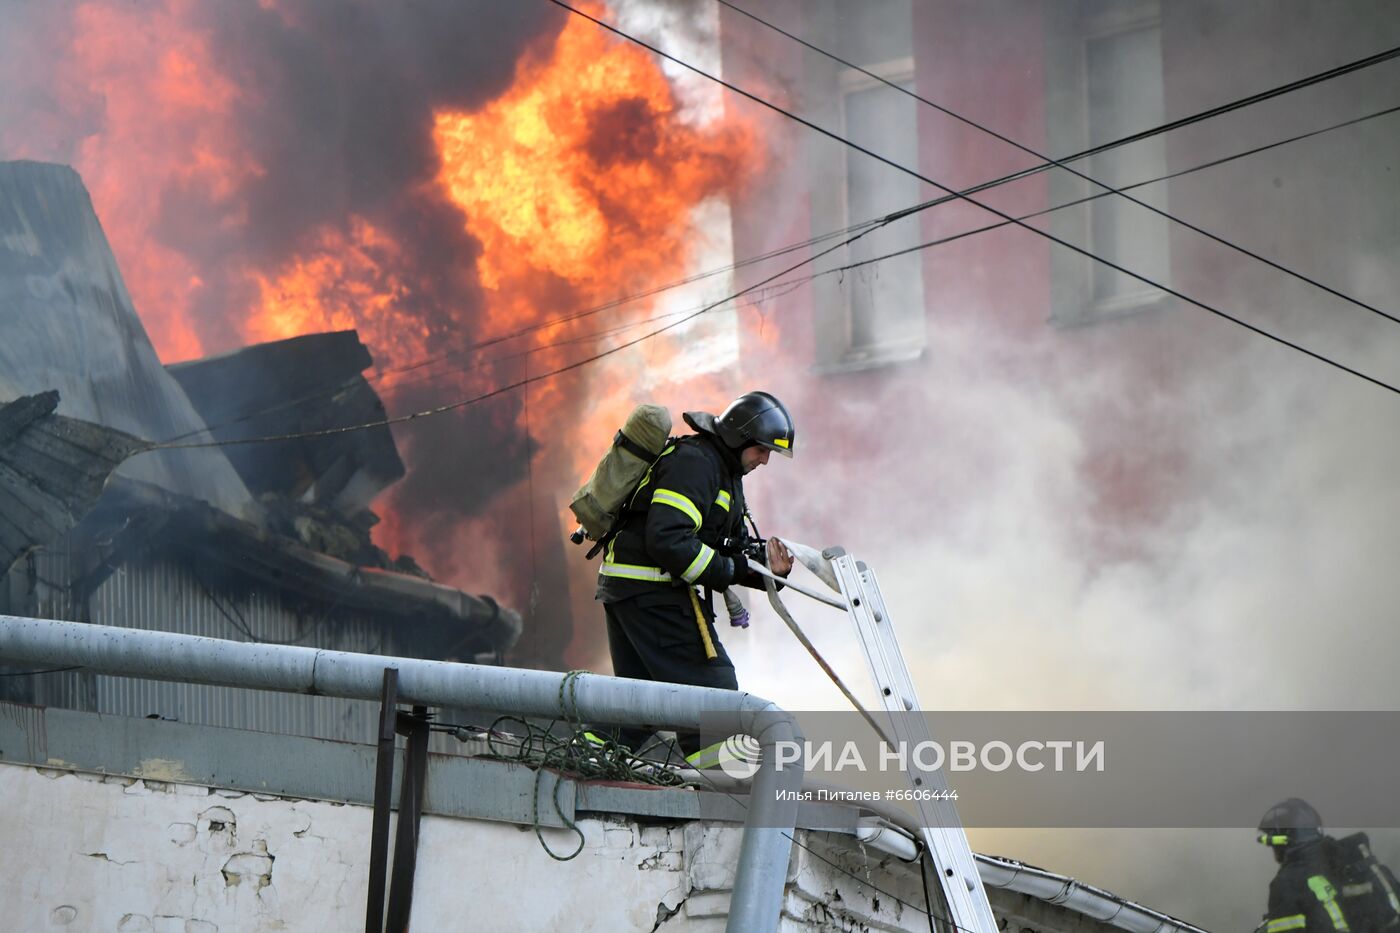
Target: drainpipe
767,845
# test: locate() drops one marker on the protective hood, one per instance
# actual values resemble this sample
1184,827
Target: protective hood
701,421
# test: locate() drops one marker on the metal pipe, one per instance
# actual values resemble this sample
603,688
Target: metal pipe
886,837
761,877
768,830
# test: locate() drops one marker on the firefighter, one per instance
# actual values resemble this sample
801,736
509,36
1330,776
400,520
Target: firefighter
681,530
1306,892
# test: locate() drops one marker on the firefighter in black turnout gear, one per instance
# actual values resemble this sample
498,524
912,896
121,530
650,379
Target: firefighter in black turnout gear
684,529
1324,884
1305,894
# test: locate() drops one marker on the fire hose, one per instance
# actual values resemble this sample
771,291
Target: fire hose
813,561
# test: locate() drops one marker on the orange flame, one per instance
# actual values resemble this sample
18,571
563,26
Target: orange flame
583,172
165,106
579,183
347,282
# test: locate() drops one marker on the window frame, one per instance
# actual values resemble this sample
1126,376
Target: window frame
829,199
856,356
1072,275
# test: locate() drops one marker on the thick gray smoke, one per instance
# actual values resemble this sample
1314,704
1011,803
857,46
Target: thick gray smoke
1158,511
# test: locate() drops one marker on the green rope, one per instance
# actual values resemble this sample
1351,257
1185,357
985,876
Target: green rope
578,754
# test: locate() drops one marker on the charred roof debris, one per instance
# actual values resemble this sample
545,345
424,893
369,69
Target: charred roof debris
254,542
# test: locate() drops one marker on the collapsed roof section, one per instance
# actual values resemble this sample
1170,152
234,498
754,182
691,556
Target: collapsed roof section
52,470
56,486
67,323
297,386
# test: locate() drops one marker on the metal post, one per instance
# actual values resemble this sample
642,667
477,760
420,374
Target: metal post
415,773
383,791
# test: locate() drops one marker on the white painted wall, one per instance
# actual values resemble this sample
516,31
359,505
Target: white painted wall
83,852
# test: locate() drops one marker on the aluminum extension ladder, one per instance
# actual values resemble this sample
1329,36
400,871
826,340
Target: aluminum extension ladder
969,910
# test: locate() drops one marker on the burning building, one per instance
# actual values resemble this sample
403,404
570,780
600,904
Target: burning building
270,544
492,197
474,188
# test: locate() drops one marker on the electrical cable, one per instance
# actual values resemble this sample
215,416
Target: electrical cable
928,898
461,403
788,285
241,623
785,283
767,294
285,404
959,195
1056,163
1177,124
889,218
533,600
241,627
781,251
1086,199
593,757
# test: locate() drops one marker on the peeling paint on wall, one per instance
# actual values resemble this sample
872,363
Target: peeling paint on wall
163,769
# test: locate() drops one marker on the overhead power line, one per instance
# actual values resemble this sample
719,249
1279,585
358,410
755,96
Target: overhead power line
861,228
777,289
1180,123
500,390
1061,164
1094,197
1230,107
959,195
784,283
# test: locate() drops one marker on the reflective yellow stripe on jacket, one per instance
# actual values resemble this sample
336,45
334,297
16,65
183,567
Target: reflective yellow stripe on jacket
677,501
1295,922
634,572
708,757
697,566
1327,895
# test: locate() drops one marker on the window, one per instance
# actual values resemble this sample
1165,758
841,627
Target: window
874,315
885,300
1105,80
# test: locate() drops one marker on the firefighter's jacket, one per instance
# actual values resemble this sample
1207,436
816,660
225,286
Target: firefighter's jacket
1305,895
675,525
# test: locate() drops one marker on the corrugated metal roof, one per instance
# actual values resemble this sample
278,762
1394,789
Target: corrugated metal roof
154,593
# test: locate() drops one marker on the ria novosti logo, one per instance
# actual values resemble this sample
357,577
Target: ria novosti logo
739,755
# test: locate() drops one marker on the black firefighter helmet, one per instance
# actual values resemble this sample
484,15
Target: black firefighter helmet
754,418
1288,823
